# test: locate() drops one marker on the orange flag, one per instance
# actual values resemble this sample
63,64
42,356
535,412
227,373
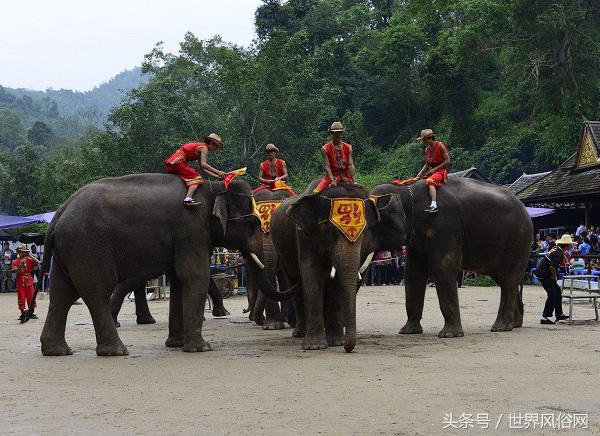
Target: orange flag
232,175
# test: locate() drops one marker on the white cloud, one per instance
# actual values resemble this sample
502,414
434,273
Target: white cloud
77,44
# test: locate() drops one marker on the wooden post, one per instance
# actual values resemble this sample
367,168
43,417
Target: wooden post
588,215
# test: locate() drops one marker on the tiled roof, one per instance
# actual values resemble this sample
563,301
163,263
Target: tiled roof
568,182
470,173
525,181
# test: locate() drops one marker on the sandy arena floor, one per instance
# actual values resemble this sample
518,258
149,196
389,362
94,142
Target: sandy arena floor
261,382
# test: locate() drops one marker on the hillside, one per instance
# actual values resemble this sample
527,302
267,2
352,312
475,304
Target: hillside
90,107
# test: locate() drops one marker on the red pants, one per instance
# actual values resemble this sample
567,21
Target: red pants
186,172
438,178
326,181
24,293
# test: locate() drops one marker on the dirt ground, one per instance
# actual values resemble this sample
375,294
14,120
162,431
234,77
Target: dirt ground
257,381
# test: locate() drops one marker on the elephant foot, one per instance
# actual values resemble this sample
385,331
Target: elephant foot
52,348
112,349
196,346
259,320
273,325
502,326
451,331
314,342
411,328
220,311
144,320
335,339
298,332
174,342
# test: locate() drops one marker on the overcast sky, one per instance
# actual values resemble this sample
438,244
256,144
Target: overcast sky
77,44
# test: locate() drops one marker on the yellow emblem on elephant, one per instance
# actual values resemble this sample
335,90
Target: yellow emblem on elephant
264,210
348,215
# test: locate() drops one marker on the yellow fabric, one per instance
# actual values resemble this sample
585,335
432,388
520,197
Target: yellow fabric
264,211
348,215
279,184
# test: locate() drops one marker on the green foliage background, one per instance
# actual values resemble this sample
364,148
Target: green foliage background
506,83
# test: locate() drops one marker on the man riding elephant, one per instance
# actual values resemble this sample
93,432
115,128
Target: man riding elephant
273,172
338,163
435,170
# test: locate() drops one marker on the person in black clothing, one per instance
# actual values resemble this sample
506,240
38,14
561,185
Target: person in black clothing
546,271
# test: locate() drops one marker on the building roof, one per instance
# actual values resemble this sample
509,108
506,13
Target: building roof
525,181
470,173
577,180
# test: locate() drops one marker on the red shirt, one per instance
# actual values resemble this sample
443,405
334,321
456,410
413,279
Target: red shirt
265,168
433,155
339,160
24,270
187,152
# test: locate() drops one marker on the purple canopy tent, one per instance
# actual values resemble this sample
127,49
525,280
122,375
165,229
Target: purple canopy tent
42,217
9,222
535,212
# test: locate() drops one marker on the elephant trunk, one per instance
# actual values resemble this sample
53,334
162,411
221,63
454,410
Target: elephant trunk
347,273
263,283
270,262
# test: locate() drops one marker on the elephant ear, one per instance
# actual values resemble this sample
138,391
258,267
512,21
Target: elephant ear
371,212
220,211
307,211
390,210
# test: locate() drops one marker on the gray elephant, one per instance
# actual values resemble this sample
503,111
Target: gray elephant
318,239
134,227
142,311
480,227
266,202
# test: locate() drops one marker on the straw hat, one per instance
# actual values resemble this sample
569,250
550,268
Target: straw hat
271,147
214,138
425,133
23,247
565,240
336,127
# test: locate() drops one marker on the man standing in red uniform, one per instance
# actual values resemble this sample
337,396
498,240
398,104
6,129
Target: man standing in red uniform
24,265
273,171
435,170
337,160
178,163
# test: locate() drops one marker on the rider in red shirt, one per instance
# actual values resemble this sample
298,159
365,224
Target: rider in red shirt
435,170
178,164
337,160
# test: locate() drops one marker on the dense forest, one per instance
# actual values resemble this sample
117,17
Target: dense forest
506,83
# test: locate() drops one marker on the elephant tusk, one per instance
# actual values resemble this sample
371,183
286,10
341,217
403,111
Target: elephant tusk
257,260
332,273
366,263
359,276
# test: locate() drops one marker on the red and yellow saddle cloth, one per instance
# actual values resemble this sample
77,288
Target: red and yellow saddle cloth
348,215
264,210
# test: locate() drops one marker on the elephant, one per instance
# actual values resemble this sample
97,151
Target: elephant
324,260
480,227
142,311
135,228
257,301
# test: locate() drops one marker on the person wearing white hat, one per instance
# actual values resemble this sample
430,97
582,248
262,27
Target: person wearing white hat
24,265
547,272
435,170
337,160
178,163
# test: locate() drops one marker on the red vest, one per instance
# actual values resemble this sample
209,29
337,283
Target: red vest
266,169
341,165
434,156
187,152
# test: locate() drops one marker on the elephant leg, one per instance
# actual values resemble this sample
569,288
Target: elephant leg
142,311
63,296
414,289
116,300
519,309
508,307
313,277
253,292
97,300
447,291
175,339
217,299
334,319
274,318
